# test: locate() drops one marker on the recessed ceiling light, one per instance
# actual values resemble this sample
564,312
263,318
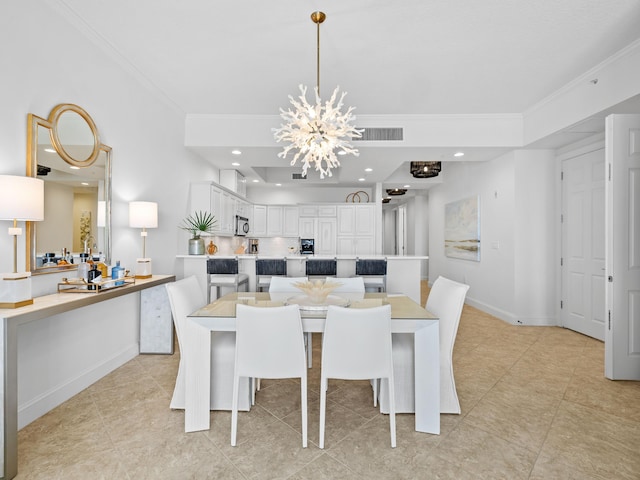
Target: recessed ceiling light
84,183
368,169
235,164
49,150
236,152
255,181
73,167
406,186
361,179
342,152
458,154
278,184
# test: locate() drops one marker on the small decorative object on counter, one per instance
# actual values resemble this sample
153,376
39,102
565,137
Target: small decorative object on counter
212,248
117,272
197,224
93,277
83,266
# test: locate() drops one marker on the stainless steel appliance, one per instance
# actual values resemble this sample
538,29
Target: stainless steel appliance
307,246
242,226
253,246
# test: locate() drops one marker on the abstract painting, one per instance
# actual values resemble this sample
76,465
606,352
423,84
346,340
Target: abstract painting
462,229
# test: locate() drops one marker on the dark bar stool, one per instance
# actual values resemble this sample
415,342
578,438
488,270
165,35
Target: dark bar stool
267,268
223,272
374,272
321,268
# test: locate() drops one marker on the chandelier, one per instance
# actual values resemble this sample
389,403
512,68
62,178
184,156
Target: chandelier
425,169
316,132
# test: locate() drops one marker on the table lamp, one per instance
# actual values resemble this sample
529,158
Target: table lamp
21,199
143,215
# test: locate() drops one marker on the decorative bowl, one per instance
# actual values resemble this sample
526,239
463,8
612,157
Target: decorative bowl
318,290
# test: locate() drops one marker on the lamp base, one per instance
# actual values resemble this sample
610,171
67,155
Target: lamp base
143,268
15,290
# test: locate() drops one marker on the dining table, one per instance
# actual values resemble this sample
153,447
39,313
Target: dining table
407,316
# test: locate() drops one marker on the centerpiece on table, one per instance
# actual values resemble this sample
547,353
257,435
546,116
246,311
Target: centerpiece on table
198,224
318,290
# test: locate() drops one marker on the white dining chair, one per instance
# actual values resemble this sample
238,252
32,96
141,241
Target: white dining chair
347,284
285,284
281,285
357,346
282,356
185,297
445,301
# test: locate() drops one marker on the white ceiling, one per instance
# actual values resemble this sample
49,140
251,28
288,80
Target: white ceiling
404,58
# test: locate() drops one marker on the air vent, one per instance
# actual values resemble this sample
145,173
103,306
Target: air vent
298,176
380,135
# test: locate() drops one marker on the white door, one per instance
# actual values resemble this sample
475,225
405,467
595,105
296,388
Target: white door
583,252
401,233
622,333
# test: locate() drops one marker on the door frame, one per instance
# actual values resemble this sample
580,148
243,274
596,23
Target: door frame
588,145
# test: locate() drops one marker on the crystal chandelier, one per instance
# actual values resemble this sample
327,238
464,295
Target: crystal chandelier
316,132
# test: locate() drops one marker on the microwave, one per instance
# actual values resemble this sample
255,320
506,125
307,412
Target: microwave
242,226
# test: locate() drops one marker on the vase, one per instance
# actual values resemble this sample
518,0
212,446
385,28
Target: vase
196,246
212,248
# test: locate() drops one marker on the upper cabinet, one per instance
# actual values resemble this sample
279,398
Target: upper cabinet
356,220
223,205
282,221
234,181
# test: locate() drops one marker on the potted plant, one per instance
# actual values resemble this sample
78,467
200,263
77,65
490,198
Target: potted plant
198,223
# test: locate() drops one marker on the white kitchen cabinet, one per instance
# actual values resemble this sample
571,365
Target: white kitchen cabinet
326,210
290,221
308,227
275,220
234,181
325,243
356,220
308,210
258,224
352,245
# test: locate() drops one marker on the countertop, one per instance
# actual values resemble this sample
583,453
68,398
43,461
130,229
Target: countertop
303,257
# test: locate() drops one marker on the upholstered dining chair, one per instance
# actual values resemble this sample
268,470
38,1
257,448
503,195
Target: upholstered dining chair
223,272
445,300
357,346
281,357
185,297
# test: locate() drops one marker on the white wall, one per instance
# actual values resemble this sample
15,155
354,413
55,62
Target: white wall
514,279
46,61
309,194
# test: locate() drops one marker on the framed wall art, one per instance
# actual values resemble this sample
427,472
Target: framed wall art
462,229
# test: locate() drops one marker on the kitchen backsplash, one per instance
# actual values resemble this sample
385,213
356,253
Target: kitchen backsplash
268,246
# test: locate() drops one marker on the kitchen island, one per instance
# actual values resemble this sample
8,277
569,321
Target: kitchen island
403,272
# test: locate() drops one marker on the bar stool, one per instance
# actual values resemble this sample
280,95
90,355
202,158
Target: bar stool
374,273
265,269
321,268
223,272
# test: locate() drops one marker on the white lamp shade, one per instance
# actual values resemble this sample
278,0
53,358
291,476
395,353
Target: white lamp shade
21,198
143,214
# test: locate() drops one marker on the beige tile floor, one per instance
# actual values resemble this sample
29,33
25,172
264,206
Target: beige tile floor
535,405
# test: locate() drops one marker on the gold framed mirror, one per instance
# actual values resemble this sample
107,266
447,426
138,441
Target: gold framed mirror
65,151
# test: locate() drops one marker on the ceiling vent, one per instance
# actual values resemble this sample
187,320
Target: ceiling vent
380,135
298,176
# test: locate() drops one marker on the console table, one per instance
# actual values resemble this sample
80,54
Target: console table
92,306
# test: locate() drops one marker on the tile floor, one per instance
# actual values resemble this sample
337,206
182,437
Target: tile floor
535,405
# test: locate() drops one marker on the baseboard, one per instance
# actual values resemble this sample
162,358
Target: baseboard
510,317
35,408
